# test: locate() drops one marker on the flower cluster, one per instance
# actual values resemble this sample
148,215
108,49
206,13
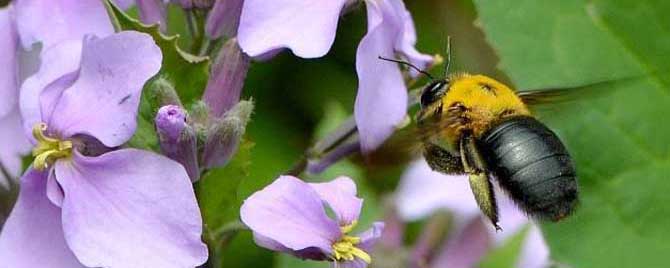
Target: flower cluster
86,201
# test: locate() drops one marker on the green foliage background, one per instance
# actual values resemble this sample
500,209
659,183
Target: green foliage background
619,140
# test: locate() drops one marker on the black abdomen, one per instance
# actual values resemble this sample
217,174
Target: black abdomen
532,165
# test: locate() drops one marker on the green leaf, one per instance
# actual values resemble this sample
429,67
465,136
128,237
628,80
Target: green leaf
217,189
186,72
619,142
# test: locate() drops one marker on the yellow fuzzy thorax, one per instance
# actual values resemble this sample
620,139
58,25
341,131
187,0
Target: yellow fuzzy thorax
485,99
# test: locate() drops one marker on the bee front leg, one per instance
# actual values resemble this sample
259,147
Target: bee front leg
480,181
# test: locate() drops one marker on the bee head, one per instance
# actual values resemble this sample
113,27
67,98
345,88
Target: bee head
433,92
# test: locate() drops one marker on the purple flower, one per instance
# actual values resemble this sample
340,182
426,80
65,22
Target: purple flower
12,141
308,29
59,26
381,103
122,208
289,216
422,191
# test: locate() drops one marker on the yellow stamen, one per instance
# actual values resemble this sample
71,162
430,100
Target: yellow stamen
346,249
48,149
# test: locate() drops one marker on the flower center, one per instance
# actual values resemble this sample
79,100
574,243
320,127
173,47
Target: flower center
48,149
346,249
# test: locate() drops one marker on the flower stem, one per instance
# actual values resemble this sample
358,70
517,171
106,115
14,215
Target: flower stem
336,146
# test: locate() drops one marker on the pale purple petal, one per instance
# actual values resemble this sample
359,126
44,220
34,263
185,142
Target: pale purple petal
130,208
394,230
153,12
224,19
422,191
52,93
291,213
124,4
8,60
370,237
270,243
112,73
381,102
405,45
51,22
535,252
57,61
356,263
311,253
466,248
33,234
54,191
13,144
306,27
340,195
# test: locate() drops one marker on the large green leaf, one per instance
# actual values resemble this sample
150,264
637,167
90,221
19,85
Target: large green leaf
619,141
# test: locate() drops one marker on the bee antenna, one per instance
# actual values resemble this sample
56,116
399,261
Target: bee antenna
446,68
408,64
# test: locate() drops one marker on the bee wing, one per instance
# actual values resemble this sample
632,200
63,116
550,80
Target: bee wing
567,94
411,138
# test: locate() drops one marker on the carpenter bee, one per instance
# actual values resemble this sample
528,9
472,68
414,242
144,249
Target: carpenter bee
475,125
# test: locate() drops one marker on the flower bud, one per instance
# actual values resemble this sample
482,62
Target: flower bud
177,139
164,92
224,19
227,78
224,135
189,4
152,12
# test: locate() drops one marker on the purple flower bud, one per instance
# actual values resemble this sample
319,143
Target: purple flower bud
227,78
177,139
224,135
189,4
152,12
185,4
224,19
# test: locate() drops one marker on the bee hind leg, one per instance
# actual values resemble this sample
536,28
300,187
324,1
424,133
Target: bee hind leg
480,181
441,160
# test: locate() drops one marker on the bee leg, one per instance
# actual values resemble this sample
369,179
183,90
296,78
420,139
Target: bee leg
441,160
480,182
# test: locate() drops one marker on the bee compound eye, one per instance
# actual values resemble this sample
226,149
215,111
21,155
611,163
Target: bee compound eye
432,92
